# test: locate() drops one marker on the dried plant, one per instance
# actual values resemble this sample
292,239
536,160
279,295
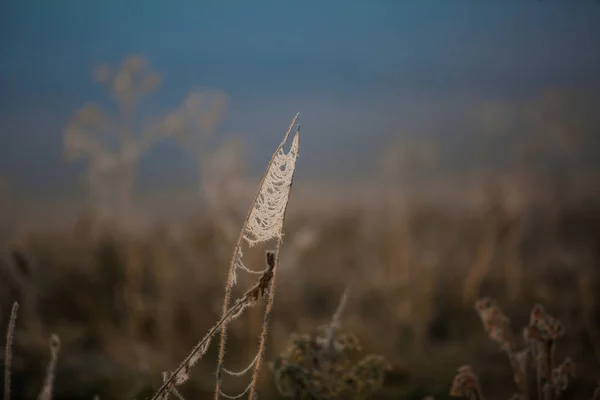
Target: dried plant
540,336
8,349
466,384
482,263
193,126
321,365
264,223
46,393
47,388
114,145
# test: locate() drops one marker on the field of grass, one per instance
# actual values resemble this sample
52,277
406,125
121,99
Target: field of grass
128,307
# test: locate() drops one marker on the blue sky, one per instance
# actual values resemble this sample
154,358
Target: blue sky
357,71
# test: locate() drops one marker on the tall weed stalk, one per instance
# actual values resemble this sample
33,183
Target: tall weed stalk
263,224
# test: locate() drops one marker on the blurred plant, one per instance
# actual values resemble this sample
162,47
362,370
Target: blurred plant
114,146
321,365
10,335
466,384
54,344
547,136
550,143
223,185
404,160
492,241
47,388
540,336
403,164
193,126
220,164
304,240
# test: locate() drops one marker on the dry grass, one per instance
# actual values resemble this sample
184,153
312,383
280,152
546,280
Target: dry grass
46,391
540,336
102,355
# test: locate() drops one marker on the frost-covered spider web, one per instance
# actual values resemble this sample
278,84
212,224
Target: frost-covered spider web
265,221
266,218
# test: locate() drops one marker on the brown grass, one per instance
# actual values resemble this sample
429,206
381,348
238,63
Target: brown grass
62,297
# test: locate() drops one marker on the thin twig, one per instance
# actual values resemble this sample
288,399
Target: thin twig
8,349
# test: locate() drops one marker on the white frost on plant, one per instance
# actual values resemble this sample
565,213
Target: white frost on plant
266,218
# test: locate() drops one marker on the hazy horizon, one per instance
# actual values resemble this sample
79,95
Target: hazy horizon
358,73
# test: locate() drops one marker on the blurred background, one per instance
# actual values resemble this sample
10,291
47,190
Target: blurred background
450,150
